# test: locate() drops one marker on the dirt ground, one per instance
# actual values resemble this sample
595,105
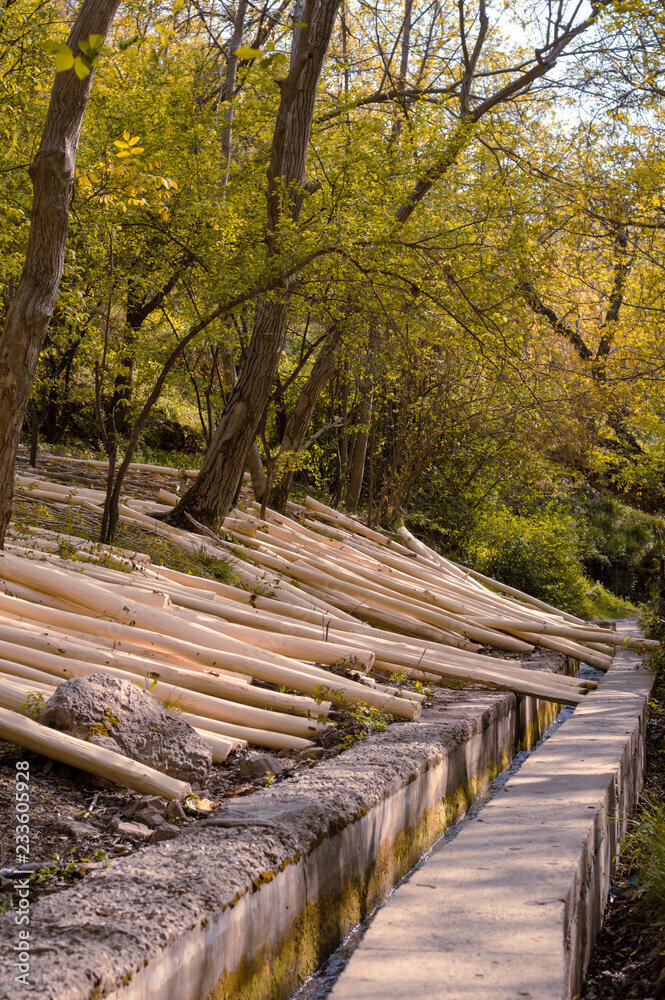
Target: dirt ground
628,962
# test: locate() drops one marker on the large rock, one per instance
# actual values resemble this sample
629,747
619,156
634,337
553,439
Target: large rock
121,716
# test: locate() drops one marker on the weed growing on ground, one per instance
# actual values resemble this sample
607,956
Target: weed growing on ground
219,569
33,704
365,719
644,857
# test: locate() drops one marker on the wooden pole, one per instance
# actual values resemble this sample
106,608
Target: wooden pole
95,760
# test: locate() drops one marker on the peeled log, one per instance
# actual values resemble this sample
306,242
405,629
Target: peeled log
95,760
209,651
257,737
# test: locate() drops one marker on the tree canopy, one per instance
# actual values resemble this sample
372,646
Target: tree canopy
411,254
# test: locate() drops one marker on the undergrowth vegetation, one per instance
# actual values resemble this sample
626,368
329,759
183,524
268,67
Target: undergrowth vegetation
27,514
645,857
643,854
551,546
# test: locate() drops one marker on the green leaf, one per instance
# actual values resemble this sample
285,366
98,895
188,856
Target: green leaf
62,54
84,47
95,42
245,52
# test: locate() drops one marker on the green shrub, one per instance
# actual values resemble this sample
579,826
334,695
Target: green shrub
621,544
653,626
644,857
538,553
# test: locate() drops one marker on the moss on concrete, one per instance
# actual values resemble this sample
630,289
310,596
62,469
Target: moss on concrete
318,929
276,972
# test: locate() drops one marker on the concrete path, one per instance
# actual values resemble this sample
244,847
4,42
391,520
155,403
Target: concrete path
511,907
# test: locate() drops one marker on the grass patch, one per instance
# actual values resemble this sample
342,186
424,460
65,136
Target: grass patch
644,857
85,524
219,569
605,604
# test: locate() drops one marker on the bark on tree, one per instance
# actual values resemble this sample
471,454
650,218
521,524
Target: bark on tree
364,419
212,494
357,470
296,427
52,174
257,472
227,92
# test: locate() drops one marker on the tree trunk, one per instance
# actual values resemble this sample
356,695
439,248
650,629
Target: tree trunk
35,424
364,419
211,496
343,449
257,472
227,92
357,470
296,428
28,317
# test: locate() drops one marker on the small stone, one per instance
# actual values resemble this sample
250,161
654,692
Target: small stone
150,816
311,753
174,810
261,764
146,801
77,830
132,829
167,832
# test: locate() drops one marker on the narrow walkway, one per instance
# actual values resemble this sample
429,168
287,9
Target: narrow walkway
511,907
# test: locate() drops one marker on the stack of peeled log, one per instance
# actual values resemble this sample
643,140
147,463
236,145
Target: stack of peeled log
323,603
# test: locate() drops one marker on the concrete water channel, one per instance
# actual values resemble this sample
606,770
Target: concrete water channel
512,907
253,900
320,985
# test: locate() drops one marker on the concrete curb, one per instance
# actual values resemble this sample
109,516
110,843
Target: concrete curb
248,904
510,908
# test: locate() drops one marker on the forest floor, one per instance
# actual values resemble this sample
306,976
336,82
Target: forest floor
628,962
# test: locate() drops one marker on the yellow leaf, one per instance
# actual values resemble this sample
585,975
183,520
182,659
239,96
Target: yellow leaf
64,59
245,52
81,68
